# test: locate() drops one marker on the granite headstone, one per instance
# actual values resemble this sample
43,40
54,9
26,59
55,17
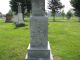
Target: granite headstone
20,21
39,48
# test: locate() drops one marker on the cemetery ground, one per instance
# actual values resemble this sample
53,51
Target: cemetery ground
64,38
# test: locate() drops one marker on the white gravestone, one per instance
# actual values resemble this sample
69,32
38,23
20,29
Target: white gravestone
39,48
19,15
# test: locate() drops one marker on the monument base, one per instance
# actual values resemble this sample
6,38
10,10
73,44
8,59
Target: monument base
20,25
39,54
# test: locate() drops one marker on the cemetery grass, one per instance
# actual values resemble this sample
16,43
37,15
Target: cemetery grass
63,37
13,41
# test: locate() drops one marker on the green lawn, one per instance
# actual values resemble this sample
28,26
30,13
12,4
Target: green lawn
63,36
65,39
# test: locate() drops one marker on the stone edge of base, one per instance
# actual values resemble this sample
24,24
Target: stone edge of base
51,56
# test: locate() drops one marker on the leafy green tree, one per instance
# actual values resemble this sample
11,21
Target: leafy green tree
69,15
76,6
25,4
55,6
63,14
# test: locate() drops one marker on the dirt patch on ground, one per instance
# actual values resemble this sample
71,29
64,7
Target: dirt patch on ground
57,58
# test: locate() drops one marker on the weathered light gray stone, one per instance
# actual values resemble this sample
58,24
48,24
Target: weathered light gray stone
19,7
18,19
20,15
39,48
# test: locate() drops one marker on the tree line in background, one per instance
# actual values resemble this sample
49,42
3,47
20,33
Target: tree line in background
54,5
25,6
76,7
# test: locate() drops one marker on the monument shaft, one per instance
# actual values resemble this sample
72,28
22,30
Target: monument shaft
39,32
20,15
38,7
38,25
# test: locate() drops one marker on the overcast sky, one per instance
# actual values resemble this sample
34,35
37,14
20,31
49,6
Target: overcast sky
67,5
4,5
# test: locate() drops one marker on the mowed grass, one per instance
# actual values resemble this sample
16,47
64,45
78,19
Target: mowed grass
13,42
63,37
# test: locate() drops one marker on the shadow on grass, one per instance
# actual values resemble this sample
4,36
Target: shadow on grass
25,27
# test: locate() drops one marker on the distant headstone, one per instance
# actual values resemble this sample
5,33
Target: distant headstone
20,21
0,15
39,48
8,18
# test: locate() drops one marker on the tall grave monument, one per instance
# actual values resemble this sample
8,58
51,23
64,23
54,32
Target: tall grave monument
39,48
19,20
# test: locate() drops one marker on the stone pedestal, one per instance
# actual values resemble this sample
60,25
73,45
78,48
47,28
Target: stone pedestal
39,54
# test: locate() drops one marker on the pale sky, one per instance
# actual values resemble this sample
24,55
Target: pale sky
67,5
4,5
